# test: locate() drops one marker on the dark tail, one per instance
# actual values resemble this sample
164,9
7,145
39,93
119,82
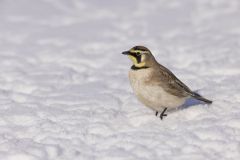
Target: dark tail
199,97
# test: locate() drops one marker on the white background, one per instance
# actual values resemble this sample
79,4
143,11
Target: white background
64,89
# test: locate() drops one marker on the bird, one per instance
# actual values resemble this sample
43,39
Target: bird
156,86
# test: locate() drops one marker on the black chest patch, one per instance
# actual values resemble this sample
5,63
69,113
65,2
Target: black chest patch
137,68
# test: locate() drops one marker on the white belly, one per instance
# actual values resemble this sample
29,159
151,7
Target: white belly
153,96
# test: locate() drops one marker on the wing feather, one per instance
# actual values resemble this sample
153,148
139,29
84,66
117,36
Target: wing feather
169,82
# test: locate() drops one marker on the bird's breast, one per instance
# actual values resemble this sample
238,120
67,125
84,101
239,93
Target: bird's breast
151,94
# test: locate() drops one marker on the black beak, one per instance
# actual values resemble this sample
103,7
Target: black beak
126,52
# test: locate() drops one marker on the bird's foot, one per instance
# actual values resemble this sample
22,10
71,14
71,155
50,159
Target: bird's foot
163,113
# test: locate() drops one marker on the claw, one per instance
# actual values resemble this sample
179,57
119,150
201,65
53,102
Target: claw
163,114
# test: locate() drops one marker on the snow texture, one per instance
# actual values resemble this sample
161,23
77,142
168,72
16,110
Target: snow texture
64,89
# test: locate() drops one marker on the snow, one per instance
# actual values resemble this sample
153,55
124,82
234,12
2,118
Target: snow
65,93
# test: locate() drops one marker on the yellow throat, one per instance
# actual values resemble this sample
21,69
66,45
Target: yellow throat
135,62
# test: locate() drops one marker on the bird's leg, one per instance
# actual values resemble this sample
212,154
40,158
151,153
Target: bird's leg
156,113
163,113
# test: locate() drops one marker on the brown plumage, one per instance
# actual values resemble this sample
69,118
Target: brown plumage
154,85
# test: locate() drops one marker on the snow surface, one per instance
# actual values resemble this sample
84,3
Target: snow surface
64,89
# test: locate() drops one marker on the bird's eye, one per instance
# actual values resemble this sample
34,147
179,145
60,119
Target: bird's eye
138,53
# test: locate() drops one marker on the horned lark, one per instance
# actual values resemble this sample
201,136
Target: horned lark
154,85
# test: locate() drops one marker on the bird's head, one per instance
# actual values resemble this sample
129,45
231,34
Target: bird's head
140,56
